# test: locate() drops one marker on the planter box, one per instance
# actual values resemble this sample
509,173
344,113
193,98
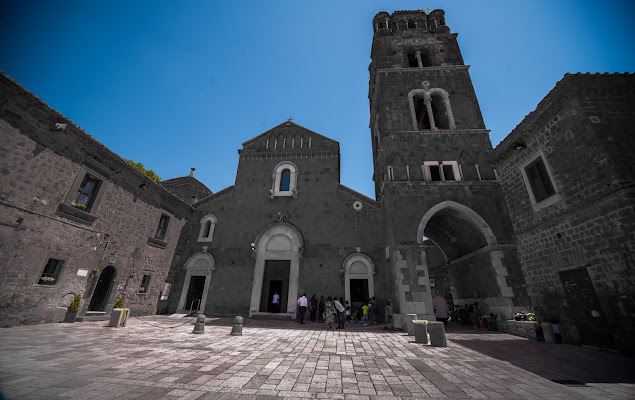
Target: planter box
70,316
119,317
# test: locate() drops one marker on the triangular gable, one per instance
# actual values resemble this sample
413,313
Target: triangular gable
292,132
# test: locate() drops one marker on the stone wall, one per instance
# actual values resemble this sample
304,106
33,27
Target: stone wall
576,248
40,164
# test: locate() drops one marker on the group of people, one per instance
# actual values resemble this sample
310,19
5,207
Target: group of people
334,310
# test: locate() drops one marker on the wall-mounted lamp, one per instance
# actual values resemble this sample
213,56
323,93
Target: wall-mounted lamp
342,271
253,250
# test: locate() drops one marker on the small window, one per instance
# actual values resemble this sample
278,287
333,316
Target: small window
162,228
412,60
145,284
51,272
441,171
86,193
208,225
411,24
285,180
435,173
539,180
448,173
207,228
441,21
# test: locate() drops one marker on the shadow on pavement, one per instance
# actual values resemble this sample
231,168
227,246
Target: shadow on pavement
562,363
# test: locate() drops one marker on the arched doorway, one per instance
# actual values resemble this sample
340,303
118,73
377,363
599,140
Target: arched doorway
101,294
471,256
278,250
359,284
198,277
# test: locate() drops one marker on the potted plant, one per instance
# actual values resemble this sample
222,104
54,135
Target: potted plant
119,315
73,308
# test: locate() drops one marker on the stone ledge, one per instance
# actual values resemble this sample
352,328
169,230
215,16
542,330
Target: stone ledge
157,243
75,214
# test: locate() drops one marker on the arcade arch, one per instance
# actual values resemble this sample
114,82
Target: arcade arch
473,258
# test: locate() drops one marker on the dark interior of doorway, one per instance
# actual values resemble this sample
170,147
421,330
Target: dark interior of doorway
275,278
195,292
274,287
359,292
102,290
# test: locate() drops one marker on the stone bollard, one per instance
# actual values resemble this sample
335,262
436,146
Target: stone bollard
237,330
421,331
437,334
547,332
410,328
199,326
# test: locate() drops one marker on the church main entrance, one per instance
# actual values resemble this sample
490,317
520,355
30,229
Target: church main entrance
275,280
102,290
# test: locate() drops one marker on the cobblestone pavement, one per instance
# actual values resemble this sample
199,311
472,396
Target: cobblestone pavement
158,358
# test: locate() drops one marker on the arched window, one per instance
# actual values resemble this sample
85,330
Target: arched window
285,180
431,109
411,24
208,225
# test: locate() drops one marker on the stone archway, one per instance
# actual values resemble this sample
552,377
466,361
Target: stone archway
280,241
358,266
197,280
472,255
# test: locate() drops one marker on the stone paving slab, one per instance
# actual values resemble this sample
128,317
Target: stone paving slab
158,358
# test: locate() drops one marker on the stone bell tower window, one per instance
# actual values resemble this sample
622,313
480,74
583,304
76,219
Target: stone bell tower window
431,109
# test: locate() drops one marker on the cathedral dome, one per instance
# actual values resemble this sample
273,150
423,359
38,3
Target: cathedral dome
187,188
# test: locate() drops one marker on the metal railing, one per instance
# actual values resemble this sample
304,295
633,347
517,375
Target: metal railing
198,305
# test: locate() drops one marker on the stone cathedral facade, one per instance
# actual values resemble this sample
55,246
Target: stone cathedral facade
446,219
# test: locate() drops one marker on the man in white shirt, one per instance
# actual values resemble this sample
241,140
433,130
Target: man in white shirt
302,302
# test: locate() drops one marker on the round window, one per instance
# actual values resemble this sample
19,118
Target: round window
357,206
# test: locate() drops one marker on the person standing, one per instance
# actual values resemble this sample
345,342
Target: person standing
276,302
329,313
365,314
340,313
313,307
302,302
321,309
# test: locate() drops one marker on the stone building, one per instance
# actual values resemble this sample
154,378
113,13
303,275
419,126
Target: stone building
289,226
544,222
75,218
567,172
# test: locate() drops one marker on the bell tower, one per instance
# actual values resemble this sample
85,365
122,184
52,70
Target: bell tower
437,190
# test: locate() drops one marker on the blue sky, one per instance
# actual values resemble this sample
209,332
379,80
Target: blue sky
176,85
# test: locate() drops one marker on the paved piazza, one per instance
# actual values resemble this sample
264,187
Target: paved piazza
158,358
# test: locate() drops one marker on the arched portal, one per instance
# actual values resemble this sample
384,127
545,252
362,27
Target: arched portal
102,291
278,250
359,284
198,277
471,256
